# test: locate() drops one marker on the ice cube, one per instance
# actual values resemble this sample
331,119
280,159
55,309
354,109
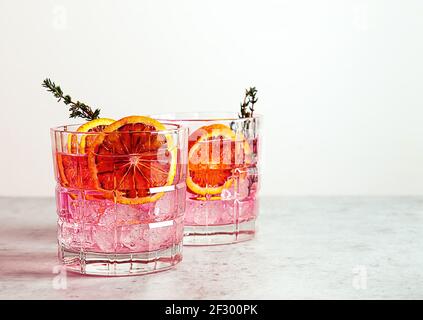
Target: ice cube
208,212
104,238
70,235
166,207
226,194
160,234
132,238
248,209
95,209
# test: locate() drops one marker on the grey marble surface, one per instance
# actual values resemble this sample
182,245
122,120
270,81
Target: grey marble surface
306,248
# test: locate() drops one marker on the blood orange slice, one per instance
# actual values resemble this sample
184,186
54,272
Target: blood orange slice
131,157
96,125
215,151
73,164
73,171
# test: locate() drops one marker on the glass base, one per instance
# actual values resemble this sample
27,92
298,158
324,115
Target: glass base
219,234
120,264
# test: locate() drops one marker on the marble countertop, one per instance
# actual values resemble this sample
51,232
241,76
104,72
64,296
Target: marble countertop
306,248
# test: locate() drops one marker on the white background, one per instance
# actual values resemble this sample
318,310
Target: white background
340,82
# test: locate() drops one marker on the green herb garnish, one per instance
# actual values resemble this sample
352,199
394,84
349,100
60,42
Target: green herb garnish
76,109
247,106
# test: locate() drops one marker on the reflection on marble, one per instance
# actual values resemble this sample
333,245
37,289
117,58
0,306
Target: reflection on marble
306,248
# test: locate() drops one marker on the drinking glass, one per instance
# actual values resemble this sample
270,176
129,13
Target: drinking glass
110,222
222,177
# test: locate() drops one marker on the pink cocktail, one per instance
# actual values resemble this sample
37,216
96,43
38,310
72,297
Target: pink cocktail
222,177
120,198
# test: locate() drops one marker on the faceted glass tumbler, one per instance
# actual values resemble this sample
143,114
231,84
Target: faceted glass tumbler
120,205
222,177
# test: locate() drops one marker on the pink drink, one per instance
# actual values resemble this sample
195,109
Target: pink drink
218,212
102,226
98,234
230,210
228,217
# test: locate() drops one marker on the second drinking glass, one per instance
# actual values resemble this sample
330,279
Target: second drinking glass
222,177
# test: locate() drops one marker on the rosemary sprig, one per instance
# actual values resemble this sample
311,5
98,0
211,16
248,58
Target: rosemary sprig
76,109
247,106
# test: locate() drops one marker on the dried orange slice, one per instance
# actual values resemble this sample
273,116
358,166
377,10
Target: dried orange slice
215,151
73,164
130,157
96,125
74,172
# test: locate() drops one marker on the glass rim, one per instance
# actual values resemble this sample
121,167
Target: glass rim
64,129
202,116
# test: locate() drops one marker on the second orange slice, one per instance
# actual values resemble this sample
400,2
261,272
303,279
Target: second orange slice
215,151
